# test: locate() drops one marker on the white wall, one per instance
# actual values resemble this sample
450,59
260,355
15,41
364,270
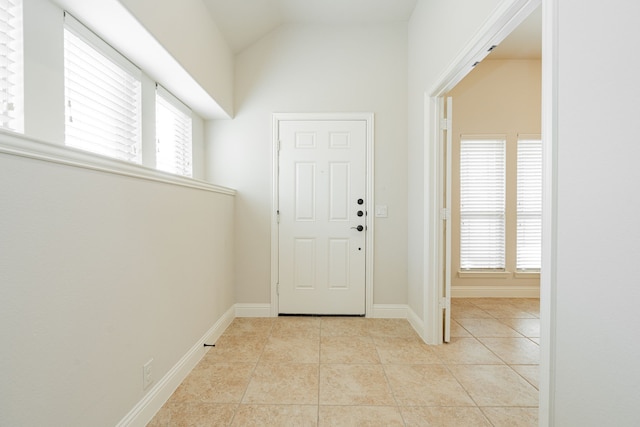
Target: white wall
315,69
187,31
99,272
596,316
438,31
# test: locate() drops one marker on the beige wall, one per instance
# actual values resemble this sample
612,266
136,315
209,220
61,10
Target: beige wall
499,97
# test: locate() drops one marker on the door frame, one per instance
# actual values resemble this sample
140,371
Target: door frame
499,25
507,16
368,118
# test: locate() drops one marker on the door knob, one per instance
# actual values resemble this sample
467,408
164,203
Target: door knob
359,228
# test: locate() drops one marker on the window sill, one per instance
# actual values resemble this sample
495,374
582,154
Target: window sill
527,275
480,274
20,145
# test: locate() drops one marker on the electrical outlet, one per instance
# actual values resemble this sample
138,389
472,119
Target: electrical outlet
147,374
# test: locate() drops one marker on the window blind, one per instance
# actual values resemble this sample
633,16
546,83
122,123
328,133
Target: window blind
173,134
103,92
529,200
11,73
482,203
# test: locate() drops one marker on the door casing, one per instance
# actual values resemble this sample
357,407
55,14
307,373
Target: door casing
368,118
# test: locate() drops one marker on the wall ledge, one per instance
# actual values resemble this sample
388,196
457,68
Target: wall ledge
19,145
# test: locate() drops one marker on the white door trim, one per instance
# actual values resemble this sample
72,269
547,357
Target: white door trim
368,118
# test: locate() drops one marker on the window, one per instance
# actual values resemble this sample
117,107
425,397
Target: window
173,134
482,203
529,211
102,95
11,73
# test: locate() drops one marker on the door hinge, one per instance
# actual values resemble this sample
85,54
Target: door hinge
445,214
278,216
445,303
278,288
445,124
278,146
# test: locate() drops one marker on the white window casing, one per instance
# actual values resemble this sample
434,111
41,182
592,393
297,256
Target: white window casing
173,134
11,66
102,96
529,203
482,203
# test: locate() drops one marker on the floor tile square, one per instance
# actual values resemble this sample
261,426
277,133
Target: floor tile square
352,350
291,326
468,312
370,416
214,383
521,351
394,328
354,385
343,327
530,373
250,326
236,349
495,385
291,349
404,351
512,417
194,414
295,384
457,331
487,328
465,351
528,327
426,385
419,416
276,415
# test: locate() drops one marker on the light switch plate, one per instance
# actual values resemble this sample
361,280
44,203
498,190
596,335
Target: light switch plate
381,211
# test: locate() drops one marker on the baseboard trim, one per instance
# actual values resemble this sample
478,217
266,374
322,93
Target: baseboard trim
389,311
253,310
145,410
495,291
415,322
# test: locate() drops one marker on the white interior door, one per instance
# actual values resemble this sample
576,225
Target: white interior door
322,217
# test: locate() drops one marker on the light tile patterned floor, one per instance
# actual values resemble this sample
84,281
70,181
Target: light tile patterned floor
330,371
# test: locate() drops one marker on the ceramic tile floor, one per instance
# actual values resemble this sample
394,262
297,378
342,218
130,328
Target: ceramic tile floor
329,371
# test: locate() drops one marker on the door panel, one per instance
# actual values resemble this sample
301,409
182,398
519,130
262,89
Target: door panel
322,175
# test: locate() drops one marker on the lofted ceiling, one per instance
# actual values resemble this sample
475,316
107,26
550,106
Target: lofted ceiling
243,22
